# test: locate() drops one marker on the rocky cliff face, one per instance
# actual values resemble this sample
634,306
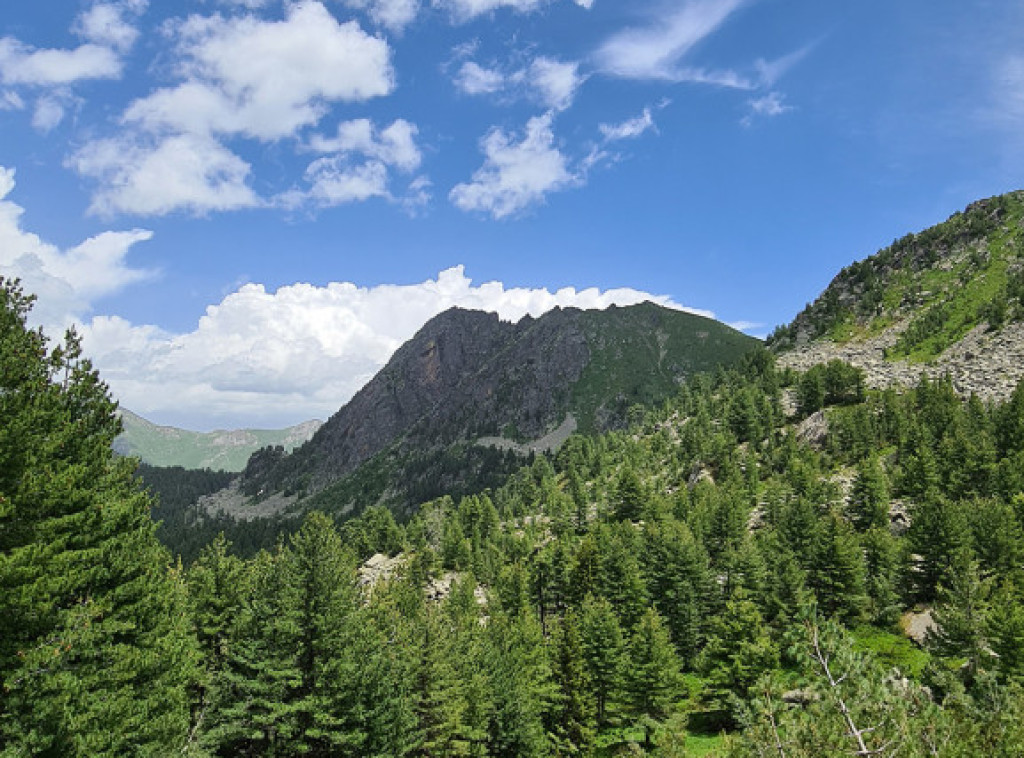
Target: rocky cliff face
422,375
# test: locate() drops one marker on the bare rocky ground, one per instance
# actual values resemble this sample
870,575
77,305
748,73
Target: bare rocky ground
230,501
549,443
986,363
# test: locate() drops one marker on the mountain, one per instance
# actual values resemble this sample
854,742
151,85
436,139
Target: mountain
458,403
949,300
219,450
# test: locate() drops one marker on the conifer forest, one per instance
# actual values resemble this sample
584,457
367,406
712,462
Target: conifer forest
769,563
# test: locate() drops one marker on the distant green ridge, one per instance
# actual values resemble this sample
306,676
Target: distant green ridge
218,450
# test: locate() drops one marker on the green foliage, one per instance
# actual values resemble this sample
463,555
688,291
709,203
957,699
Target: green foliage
97,655
950,278
553,614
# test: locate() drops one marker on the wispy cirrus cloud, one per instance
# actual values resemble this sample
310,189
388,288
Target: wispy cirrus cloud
628,129
466,10
656,51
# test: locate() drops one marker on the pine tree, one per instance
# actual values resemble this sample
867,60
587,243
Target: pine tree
869,500
216,583
603,651
679,581
836,573
738,652
961,615
630,495
573,715
97,654
652,682
520,678
1006,631
440,694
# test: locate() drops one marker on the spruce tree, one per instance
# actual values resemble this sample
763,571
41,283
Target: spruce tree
603,651
97,653
869,500
653,681
573,712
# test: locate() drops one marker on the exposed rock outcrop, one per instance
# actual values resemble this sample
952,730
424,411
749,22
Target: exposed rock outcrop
986,363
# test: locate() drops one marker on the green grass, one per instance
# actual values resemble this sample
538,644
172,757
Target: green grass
710,745
892,650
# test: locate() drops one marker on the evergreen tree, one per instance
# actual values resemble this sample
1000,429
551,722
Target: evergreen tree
440,693
652,682
521,687
97,653
836,573
573,715
1006,631
869,500
939,530
603,652
216,584
962,613
679,581
630,496
739,651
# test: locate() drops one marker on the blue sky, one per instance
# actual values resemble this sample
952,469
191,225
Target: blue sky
247,205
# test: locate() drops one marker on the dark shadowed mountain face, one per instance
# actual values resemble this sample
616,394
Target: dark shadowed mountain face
466,375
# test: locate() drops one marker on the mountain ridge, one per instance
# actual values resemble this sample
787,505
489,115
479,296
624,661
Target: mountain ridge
221,449
946,300
467,375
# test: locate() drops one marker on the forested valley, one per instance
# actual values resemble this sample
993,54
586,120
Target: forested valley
742,572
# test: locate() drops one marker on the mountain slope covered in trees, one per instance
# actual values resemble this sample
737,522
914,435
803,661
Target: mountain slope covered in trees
728,571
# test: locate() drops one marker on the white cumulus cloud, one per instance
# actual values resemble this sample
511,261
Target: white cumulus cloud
261,358
474,79
392,14
515,174
555,81
67,282
551,83
242,76
181,172
266,79
394,145
106,23
22,64
334,181
360,161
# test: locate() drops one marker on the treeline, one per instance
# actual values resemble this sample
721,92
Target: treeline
706,571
